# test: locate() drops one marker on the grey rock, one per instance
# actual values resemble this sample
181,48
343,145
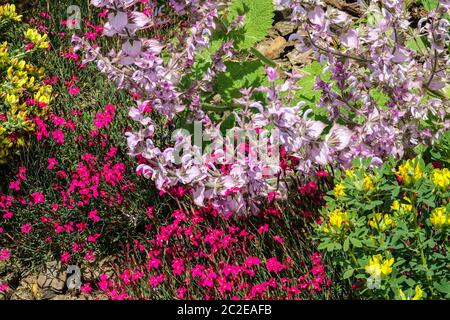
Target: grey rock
53,277
299,58
285,28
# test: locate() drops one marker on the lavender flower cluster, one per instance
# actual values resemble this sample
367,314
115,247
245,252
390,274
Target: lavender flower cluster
367,57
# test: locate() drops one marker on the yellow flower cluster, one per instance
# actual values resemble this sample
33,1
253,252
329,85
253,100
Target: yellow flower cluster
339,190
378,267
441,178
337,219
350,172
38,40
418,294
410,171
20,81
8,11
439,218
382,222
397,206
368,183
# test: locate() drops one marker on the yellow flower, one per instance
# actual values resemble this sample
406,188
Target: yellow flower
43,94
438,218
4,53
339,190
12,99
401,295
441,178
37,39
419,293
386,267
417,296
368,183
395,206
20,81
382,222
378,267
8,11
338,218
349,172
410,171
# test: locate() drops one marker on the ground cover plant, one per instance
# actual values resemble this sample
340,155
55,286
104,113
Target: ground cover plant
156,148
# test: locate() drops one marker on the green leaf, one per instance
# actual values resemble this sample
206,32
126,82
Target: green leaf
373,204
429,202
410,282
418,44
257,22
429,4
346,244
380,98
356,242
420,149
443,287
348,273
237,76
307,93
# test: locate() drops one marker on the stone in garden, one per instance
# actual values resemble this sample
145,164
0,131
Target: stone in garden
53,277
285,28
25,289
272,48
299,58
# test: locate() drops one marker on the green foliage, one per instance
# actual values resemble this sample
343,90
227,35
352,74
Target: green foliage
237,76
441,149
390,238
243,74
380,98
258,20
429,4
418,44
307,93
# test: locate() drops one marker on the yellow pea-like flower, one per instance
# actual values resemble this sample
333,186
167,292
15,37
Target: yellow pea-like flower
382,222
20,80
438,218
339,190
378,267
441,178
12,99
8,11
368,183
410,171
338,218
37,39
